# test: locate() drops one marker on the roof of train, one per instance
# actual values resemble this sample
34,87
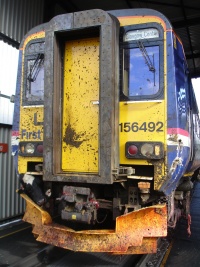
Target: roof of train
184,16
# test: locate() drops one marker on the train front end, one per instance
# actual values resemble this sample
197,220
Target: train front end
96,186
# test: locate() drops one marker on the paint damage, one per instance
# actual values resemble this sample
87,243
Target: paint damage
71,138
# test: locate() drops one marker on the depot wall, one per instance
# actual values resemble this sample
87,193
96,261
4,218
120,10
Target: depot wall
11,204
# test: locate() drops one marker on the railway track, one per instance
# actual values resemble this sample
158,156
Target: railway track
155,260
52,257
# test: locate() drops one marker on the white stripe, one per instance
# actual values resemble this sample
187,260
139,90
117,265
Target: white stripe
176,139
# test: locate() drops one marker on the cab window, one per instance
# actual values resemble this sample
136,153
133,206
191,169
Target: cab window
142,54
35,78
141,70
34,74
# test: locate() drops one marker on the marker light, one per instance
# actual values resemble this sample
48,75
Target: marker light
39,149
157,150
132,150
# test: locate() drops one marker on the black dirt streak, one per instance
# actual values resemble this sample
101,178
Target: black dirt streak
71,137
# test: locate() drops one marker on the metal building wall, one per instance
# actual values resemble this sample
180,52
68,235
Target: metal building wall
11,204
17,17
8,77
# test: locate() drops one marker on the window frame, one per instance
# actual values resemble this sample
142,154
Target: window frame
147,43
31,56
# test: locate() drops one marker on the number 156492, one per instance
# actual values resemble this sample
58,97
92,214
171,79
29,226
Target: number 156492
144,126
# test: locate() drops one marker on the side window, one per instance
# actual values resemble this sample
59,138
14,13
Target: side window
34,74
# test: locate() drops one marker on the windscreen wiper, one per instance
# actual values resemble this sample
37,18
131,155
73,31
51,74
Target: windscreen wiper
36,68
146,57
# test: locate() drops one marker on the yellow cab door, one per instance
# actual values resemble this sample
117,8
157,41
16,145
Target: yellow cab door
80,106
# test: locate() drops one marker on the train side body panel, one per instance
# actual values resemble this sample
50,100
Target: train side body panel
178,121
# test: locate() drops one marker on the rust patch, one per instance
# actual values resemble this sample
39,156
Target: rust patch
159,173
149,245
71,138
135,232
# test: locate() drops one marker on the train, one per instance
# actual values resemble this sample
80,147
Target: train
106,134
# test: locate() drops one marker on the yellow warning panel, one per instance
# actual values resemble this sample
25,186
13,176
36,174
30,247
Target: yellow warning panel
80,111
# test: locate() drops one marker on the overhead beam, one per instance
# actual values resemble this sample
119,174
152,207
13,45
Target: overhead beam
68,6
183,23
195,75
128,2
191,56
188,31
161,3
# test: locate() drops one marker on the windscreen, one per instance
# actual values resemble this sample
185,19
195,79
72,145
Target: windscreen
141,70
34,78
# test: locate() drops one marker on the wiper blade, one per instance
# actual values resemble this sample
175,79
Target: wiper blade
36,68
146,57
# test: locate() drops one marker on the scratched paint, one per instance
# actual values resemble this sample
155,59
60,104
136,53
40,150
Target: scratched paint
80,106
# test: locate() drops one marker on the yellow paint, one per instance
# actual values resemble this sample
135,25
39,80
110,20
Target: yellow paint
80,113
140,113
189,174
31,132
136,20
23,161
145,112
33,36
35,214
27,123
73,217
175,45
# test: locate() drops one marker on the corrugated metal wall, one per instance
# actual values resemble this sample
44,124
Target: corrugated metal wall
8,76
11,204
17,17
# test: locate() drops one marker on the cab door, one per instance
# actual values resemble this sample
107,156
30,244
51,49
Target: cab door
80,125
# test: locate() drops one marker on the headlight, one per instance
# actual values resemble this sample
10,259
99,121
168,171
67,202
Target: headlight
29,148
147,150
